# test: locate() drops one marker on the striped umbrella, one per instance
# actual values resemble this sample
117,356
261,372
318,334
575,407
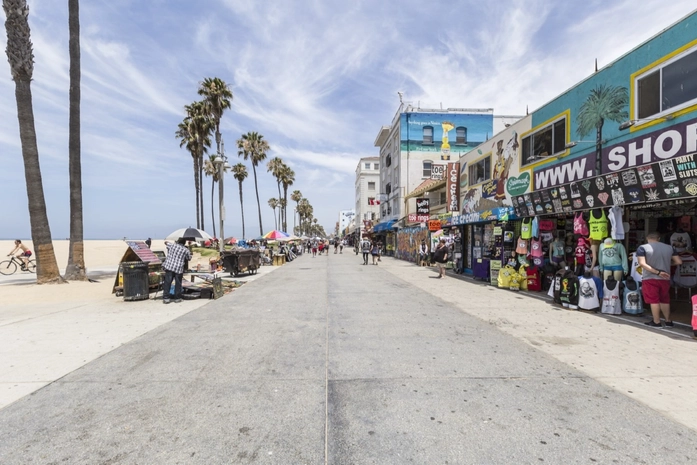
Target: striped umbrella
273,235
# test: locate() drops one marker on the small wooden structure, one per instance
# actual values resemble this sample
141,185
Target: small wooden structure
138,251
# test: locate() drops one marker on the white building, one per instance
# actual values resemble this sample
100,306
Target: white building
367,208
419,141
345,219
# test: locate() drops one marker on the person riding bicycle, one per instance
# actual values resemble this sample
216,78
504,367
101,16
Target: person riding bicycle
24,253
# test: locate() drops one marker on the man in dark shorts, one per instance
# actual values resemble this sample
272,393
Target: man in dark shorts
24,252
655,259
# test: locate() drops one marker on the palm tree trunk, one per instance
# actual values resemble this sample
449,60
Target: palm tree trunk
200,187
275,220
212,207
261,228
198,192
285,208
599,149
75,270
242,207
46,265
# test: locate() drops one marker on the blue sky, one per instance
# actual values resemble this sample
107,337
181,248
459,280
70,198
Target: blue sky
317,78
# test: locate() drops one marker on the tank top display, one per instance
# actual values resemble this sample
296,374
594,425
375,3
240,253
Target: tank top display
558,249
598,225
534,279
536,248
611,298
632,302
526,228
588,298
616,223
535,227
580,225
522,247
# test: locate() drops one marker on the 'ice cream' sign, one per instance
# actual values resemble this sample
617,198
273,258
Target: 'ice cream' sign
453,186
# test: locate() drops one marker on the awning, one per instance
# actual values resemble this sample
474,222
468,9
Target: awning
428,184
386,226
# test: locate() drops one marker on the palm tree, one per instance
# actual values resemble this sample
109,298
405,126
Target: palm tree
217,97
75,270
21,59
252,146
295,197
239,171
604,102
273,203
287,178
275,166
194,133
211,169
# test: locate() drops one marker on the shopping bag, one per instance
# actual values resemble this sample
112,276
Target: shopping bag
694,312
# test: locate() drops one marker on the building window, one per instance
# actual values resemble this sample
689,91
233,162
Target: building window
371,186
376,166
427,168
461,136
547,141
372,215
388,161
672,85
366,166
442,198
371,201
480,171
388,188
428,135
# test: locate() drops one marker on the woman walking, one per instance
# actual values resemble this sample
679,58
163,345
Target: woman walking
440,256
375,252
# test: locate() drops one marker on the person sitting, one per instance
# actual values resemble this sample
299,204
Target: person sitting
24,253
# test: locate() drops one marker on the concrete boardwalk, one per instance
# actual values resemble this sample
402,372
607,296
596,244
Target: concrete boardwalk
328,361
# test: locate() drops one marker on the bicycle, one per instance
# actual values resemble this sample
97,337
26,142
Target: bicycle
8,267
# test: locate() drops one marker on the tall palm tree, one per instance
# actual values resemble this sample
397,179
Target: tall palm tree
275,166
194,132
603,103
273,203
253,147
281,207
217,98
239,171
75,270
21,59
210,168
296,196
287,178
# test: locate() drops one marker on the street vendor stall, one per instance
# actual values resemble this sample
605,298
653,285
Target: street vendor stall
139,272
238,261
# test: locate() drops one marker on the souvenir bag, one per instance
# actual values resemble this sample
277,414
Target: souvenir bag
504,278
523,278
580,225
514,282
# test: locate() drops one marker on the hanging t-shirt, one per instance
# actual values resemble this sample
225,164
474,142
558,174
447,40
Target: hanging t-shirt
680,241
598,225
580,253
588,298
686,274
522,247
632,302
580,225
536,248
616,223
558,249
526,228
611,298
535,227
534,278
568,292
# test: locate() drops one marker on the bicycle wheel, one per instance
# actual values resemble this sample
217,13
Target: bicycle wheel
31,266
8,267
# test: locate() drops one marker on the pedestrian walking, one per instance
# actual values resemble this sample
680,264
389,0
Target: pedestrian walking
342,243
375,252
655,259
365,249
379,249
336,246
440,256
314,249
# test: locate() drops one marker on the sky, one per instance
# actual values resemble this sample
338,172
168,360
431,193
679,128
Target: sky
318,79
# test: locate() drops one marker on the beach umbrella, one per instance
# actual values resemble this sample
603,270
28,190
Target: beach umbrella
275,235
231,241
189,233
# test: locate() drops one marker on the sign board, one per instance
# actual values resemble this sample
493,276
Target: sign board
416,218
218,288
452,189
434,225
437,172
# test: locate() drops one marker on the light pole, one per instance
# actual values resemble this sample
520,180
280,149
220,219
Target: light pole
221,165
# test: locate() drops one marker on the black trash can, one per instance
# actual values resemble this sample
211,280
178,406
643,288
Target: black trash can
136,285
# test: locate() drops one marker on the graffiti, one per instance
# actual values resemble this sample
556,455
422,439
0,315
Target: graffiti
408,241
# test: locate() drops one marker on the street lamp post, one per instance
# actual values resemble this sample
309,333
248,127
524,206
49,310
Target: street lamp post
221,165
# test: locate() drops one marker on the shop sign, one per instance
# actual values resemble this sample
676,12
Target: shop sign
422,206
416,218
437,172
489,189
434,225
674,141
517,186
453,187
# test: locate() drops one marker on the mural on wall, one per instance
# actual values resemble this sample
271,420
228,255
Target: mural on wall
433,132
408,242
494,195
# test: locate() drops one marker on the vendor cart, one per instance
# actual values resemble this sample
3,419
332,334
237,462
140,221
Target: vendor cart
241,261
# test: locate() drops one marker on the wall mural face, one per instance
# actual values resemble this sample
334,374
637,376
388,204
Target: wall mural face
496,160
408,242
